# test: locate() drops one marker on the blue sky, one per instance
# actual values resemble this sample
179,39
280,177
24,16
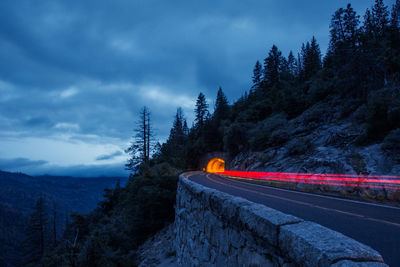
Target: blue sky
74,74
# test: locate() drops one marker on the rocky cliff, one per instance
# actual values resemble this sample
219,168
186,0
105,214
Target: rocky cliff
322,141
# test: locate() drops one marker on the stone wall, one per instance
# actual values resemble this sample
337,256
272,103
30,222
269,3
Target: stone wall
216,229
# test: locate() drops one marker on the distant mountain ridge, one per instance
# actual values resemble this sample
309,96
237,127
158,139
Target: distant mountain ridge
19,193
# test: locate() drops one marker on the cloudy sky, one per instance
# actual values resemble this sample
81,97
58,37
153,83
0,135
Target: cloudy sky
74,74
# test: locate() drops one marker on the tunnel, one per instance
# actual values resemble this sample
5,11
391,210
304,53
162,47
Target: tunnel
216,165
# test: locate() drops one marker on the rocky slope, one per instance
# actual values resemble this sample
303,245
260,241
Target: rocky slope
322,141
158,250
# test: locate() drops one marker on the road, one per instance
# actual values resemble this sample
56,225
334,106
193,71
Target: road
375,225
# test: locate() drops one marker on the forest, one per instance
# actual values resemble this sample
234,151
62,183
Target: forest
359,74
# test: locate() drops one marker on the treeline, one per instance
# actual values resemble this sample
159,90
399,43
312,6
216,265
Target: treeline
360,71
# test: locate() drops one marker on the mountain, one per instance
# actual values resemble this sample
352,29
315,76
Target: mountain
19,193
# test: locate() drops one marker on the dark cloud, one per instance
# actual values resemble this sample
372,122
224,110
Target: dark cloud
19,163
40,167
109,156
83,69
110,170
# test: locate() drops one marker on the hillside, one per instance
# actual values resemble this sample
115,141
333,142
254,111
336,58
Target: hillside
19,193
324,139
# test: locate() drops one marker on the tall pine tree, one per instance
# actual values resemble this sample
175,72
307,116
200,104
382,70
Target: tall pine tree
34,244
140,148
272,66
201,111
292,64
395,16
344,28
257,75
221,110
380,18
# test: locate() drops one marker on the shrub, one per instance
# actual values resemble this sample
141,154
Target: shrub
383,113
235,139
279,137
391,144
261,133
318,113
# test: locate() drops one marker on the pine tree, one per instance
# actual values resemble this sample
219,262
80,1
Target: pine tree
272,66
337,29
34,244
344,28
380,18
257,75
221,110
140,148
185,128
173,150
55,241
351,22
292,64
299,65
368,25
201,111
177,131
395,16
311,59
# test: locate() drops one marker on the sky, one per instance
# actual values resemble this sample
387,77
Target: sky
74,74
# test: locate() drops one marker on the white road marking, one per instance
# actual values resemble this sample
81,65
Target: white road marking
317,195
304,203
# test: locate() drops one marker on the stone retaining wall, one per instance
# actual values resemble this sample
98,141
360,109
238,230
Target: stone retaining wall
216,229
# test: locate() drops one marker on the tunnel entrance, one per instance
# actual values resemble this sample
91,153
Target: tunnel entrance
216,165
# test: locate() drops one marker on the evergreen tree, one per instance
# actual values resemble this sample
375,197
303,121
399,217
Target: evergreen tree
337,29
344,28
185,128
55,241
311,59
221,110
380,18
201,111
34,244
140,148
351,22
299,65
284,69
173,150
395,16
392,55
257,75
272,66
178,132
292,64
368,26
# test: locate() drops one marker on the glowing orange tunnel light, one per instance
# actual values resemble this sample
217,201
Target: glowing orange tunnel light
216,165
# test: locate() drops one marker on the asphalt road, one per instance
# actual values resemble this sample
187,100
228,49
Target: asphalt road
375,225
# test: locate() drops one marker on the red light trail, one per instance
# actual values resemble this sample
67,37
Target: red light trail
364,181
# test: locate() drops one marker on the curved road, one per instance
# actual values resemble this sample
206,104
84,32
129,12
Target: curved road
373,224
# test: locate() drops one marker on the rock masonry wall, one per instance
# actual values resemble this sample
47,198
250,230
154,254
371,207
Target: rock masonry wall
216,229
